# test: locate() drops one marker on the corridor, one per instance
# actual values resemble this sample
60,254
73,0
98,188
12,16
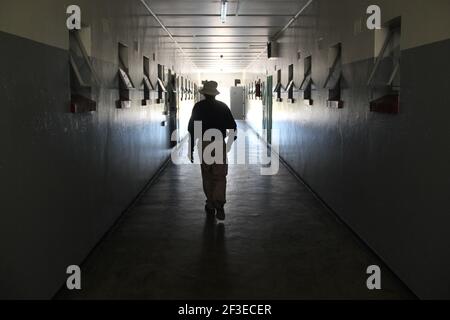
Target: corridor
278,242
98,95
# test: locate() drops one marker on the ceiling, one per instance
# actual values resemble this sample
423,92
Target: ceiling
196,26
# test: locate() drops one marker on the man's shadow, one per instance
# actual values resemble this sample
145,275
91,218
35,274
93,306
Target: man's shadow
214,272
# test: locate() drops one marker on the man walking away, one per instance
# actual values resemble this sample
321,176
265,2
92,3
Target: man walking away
213,114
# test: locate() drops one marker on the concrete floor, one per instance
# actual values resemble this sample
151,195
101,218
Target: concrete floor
278,242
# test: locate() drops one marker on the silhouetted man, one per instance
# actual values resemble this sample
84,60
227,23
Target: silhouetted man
215,117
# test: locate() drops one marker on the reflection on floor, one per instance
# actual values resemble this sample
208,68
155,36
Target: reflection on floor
278,242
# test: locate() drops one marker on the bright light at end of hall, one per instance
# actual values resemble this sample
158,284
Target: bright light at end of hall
223,11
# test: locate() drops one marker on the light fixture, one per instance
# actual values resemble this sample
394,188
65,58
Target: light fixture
223,11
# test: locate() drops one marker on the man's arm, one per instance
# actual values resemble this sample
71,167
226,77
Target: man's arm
191,135
231,123
232,130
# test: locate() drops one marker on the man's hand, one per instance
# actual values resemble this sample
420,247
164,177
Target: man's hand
191,156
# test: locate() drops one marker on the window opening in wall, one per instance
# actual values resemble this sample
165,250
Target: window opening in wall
125,82
148,85
384,80
161,87
307,84
334,78
82,74
291,85
278,86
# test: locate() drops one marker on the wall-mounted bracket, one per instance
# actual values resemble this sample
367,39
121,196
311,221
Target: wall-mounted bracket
124,104
278,88
387,104
335,104
385,78
162,90
81,104
148,89
334,78
307,81
306,87
291,88
125,86
82,76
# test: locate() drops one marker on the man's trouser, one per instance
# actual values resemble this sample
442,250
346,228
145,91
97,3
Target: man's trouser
215,181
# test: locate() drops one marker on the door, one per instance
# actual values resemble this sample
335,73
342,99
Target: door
267,110
237,102
172,105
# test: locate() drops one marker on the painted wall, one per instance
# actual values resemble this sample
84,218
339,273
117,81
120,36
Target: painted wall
254,115
65,178
387,176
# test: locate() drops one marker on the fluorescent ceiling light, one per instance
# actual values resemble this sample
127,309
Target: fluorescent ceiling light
223,11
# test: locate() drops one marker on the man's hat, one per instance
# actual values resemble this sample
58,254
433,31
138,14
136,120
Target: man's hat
210,89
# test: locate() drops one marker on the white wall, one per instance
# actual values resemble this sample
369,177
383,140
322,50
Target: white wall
225,80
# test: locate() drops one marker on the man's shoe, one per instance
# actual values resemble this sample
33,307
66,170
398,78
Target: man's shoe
210,211
220,215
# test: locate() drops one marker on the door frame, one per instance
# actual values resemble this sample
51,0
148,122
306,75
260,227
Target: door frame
267,110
